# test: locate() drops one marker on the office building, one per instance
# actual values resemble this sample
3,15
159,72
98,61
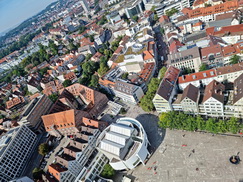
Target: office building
16,147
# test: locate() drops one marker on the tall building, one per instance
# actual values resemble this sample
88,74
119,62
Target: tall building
85,6
16,147
124,143
134,8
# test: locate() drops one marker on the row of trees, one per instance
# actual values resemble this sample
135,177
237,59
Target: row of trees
147,101
180,120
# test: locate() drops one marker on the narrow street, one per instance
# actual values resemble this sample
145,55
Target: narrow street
161,47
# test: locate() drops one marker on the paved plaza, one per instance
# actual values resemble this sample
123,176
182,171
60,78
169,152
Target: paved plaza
192,157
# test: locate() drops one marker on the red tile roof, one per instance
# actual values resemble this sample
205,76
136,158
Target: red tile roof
197,76
228,30
227,6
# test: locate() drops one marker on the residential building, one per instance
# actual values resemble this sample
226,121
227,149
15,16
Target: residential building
213,56
52,87
213,100
124,143
167,89
16,147
230,34
187,59
238,96
189,99
207,14
33,84
36,108
15,103
197,79
128,92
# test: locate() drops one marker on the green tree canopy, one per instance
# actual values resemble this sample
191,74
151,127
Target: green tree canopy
43,149
180,120
37,173
162,72
67,83
94,82
135,18
53,97
108,171
234,59
147,101
171,12
203,67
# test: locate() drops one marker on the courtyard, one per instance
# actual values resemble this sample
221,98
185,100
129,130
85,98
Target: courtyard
192,157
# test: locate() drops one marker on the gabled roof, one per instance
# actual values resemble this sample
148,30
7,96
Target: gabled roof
168,82
238,89
190,92
215,90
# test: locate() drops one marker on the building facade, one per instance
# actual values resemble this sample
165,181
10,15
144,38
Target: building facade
16,147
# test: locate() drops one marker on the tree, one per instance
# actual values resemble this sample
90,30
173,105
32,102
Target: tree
234,59
88,56
221,126
162,30
123,111
233,125
67,83
153,9
200,123
162,72
94,81
203,67
135,18
53,97
81,29
124,76
171,12
147,101
43,149
37,173
108,171
210,125
156,18
43,71
72,47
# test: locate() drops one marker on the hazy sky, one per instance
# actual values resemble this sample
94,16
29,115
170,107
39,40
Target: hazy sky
13,12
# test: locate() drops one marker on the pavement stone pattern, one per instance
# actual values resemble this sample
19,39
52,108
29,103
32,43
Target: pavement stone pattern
175,160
